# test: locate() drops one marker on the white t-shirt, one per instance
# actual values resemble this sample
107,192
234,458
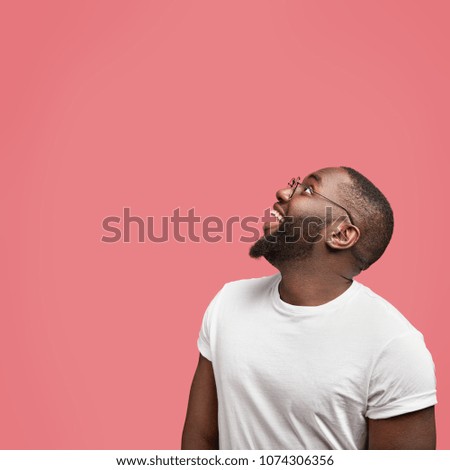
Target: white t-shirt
292,377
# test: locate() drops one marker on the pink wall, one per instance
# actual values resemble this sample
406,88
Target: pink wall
213,105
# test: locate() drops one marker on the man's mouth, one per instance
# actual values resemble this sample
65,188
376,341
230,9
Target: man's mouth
277,215
274,224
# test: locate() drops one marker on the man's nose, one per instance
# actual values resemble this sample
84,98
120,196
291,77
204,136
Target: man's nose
284,194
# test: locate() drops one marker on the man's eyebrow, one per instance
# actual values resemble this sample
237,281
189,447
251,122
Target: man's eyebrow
316,177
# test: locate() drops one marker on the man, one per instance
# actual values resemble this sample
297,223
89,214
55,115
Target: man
309,358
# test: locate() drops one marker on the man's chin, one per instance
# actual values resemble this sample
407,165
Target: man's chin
277,252
260,248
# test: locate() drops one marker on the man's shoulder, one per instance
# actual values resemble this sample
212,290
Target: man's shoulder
256,286
377,301
253,282
381,313
248,290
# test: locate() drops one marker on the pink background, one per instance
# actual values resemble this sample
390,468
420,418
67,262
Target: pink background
213,105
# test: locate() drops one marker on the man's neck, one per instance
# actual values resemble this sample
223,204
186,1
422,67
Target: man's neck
311,286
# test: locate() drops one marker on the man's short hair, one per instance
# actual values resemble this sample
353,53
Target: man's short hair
374,217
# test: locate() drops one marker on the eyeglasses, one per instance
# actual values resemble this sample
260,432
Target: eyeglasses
294,183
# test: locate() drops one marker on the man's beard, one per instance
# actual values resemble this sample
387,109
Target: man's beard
294,240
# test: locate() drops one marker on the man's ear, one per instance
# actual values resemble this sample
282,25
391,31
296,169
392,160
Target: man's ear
342,236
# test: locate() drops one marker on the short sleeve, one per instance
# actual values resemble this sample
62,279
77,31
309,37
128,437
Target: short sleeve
403,378
205,336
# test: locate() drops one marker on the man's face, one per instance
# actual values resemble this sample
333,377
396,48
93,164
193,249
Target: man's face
305,218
